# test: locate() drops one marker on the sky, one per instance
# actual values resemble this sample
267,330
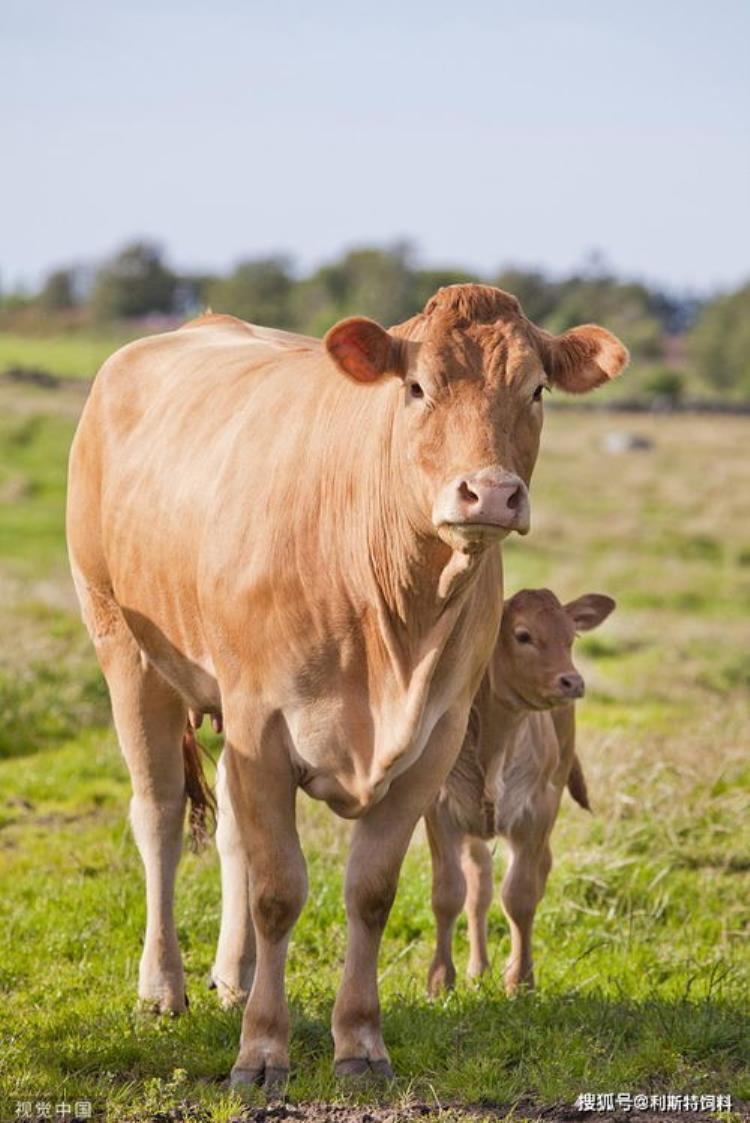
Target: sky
486,133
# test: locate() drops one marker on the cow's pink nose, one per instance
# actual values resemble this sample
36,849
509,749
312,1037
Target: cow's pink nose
495,501
571,685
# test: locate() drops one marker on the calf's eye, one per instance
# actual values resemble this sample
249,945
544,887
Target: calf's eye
522,636
537,395
416,390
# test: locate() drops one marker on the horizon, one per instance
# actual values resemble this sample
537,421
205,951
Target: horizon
248,132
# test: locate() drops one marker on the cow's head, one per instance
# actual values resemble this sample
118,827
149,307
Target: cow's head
532,667
473,371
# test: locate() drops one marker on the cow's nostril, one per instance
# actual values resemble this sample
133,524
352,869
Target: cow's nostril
466,493
514,499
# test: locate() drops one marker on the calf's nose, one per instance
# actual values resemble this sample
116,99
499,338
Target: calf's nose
571,685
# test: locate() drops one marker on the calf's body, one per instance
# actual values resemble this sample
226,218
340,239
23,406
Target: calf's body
516,760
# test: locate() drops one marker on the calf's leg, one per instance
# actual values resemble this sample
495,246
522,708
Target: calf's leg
522,890
448,894
476,861
234,965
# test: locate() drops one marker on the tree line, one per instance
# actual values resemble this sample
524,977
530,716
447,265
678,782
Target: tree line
679,345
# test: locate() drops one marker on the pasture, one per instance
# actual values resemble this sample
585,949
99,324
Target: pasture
642,941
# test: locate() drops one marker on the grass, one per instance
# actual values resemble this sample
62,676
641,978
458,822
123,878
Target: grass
66,354
642,940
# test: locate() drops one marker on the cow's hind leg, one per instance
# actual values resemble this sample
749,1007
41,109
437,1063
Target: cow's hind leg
150,719
234,965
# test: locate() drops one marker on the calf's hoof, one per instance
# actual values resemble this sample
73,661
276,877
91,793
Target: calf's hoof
271,1078
353,1067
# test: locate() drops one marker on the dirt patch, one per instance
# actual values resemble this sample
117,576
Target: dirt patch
413,1111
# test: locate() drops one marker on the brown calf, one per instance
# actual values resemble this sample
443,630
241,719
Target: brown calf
518,755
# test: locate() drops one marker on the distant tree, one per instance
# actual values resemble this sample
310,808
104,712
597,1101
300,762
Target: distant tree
538,294
719,343
258,290
133,283
372,282
58,293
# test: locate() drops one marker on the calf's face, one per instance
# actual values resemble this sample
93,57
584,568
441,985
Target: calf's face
533,666
473,371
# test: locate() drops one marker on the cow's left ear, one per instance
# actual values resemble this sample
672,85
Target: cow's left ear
589,611
362,349
583,358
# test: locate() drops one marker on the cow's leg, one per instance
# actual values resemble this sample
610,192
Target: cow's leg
522,890
378,844
476,861
234,965
448,894
262,788
150,719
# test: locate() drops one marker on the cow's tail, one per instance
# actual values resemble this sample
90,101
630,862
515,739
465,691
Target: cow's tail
202,801
577,784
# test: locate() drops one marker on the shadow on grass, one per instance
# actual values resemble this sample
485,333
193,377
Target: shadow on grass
469,1047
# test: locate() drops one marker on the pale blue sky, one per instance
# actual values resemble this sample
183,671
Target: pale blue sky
486,132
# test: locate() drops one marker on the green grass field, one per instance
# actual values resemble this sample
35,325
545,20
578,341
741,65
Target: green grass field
67,355
642,950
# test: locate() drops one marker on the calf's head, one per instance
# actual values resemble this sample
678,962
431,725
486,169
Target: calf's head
532,666
471,371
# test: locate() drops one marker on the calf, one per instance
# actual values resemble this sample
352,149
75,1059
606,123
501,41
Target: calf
517,756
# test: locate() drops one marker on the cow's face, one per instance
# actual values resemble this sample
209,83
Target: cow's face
533,667
473,372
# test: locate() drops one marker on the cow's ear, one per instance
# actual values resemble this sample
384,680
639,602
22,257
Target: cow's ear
362,349
583,358
588,612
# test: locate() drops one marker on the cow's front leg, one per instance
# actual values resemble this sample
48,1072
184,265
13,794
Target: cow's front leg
262,788
379,841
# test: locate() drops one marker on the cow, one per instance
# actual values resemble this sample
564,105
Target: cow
303,536
517,758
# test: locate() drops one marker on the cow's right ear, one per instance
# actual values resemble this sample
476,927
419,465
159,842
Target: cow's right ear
363,350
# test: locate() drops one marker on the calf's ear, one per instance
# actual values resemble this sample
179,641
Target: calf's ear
588,611
583,358
362,349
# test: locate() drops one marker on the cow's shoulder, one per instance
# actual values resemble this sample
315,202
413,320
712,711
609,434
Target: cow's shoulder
220,324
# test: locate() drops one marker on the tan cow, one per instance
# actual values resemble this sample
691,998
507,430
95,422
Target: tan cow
517,758
303,536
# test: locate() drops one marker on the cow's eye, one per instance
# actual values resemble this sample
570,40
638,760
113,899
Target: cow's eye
416,390
522,636
537,396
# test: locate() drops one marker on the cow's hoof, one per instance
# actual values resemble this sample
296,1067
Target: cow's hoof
163,1006
272,1078
353,1067
230,997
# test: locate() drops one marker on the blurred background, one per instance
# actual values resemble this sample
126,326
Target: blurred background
294,164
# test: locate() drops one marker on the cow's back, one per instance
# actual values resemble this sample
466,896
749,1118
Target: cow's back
149,451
